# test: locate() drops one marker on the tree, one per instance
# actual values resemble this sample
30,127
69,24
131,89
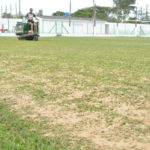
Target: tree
102,13
123,8
105,13
7,15
85,12
58,13
40,13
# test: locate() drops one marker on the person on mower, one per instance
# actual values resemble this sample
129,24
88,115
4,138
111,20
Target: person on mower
30,17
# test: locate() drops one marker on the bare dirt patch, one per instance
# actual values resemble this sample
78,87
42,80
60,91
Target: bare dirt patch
133,112
89,125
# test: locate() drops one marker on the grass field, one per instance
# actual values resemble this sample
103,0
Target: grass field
75,94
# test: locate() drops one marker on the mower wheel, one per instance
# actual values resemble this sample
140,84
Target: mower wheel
35,38
20,38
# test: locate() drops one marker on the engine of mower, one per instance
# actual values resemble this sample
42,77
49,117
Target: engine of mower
23,31
22,28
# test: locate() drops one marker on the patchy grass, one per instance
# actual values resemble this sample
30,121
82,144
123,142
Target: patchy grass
16,133
87,92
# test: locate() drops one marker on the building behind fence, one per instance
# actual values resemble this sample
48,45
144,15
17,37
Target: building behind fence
52,26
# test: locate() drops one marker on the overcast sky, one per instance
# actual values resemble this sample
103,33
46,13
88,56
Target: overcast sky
50,6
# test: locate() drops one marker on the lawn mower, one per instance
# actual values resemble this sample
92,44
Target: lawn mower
23,31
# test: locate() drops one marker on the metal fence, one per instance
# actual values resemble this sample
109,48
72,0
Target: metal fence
79,28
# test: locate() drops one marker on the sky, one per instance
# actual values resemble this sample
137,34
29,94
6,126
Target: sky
50,6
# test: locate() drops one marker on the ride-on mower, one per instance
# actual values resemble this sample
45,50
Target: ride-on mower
23,31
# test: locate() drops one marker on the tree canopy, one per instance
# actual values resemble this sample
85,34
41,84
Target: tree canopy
103,13
124,4
58,13
123,8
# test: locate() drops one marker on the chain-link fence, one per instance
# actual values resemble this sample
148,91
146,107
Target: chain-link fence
79,27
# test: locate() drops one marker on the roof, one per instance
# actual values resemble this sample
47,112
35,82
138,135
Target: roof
66,18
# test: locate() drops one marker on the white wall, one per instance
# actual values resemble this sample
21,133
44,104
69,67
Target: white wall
9,24
82,28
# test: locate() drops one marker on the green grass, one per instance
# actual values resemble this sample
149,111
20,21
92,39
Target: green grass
18,134
69,81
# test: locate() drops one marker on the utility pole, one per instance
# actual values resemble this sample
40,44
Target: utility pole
19,8
6,9
141,14
94,16
94,13
10,9
70,7
147,12
136,16
16,10
122,13
1,11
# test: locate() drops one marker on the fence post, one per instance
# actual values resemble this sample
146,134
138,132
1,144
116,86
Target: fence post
8,25
136,30
56,27
87,28
117,31
42,26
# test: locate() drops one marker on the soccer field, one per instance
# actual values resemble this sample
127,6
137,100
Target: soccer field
71,93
